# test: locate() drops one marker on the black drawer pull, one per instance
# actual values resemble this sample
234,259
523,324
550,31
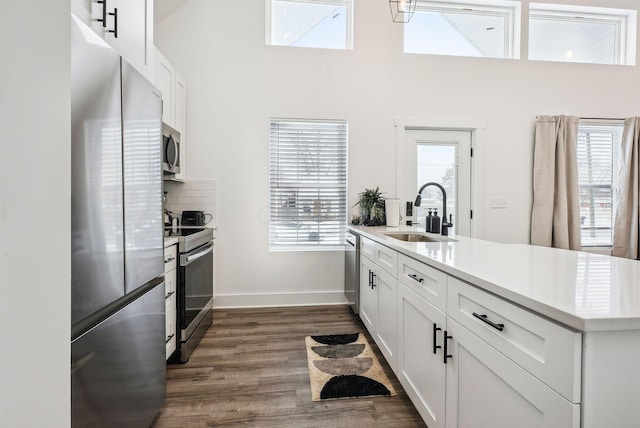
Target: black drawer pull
435,329
486,320
169,338
169,294
373,280
415,277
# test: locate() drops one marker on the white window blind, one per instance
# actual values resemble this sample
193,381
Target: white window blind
597,161
308,184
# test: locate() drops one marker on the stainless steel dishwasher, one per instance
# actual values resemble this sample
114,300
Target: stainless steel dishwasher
352,270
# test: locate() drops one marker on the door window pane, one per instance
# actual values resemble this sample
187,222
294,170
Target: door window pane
437,163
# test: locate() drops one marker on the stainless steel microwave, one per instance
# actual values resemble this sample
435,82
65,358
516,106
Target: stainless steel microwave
170,150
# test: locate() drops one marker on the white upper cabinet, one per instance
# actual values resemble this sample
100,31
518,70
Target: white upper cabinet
165,81
127,25
174,107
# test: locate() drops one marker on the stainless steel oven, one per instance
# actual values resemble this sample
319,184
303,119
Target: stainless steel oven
195,287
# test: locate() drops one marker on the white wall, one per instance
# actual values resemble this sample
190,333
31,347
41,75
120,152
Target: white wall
35,209
236,82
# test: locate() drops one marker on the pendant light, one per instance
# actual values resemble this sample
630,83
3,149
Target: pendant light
402,10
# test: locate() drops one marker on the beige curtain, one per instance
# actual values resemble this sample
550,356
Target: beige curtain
627,220
555,217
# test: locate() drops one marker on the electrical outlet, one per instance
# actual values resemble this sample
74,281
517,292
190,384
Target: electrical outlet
499,203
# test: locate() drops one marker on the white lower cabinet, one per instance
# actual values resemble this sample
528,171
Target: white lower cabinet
485,389
368,296
419,363
466,358
387,332
378,296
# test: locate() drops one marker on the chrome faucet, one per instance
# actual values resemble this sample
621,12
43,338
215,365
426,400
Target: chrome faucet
445,224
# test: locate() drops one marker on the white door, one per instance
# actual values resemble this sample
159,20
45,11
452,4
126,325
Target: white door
420,366
485,389
444,157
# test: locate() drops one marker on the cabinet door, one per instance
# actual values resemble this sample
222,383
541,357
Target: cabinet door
165,81
368,296
132,37
485,389
180,112
386,336
419,363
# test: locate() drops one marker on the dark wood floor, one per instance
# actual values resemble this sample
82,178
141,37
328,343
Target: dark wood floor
250,370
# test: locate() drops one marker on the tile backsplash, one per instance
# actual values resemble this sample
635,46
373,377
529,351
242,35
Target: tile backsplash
193,195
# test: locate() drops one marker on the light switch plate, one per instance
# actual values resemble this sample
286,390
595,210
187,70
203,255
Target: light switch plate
499,203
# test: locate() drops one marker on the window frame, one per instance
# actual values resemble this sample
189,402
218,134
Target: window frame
625,20
614,169
341,185
509,9
348,31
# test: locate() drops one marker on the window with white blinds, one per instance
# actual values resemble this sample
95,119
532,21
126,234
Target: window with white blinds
308,184
598,144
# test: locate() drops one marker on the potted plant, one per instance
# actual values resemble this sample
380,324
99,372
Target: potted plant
371,204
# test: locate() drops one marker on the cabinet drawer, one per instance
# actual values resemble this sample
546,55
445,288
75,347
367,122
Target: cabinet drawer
170,332
548,351
386,258
170,288
170,258
367,247
429,283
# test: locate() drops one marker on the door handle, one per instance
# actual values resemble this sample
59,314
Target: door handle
435,330
445,354
373,277
115,22
104,13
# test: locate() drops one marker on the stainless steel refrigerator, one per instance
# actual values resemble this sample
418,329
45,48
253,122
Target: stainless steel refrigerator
118,367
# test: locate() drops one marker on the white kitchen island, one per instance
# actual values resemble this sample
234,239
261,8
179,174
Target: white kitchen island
531,336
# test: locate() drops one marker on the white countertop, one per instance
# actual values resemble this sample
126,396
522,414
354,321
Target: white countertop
585,291
170,240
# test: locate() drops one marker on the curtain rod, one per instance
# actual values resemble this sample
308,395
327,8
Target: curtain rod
597,118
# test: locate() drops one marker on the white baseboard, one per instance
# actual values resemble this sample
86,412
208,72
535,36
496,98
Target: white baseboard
278,299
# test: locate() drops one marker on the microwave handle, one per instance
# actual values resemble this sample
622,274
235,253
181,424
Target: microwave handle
174,161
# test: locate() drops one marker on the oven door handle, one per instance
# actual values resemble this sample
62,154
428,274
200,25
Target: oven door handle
190,258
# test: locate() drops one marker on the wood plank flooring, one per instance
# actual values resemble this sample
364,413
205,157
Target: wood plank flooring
250,370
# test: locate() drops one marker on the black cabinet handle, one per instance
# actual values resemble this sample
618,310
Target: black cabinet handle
115,22
104,12
445,354
170,259
169,294
435,330
169,338
373,277
415,277
486,320
370,281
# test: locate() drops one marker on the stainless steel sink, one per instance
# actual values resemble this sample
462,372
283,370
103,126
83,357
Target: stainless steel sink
417,237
